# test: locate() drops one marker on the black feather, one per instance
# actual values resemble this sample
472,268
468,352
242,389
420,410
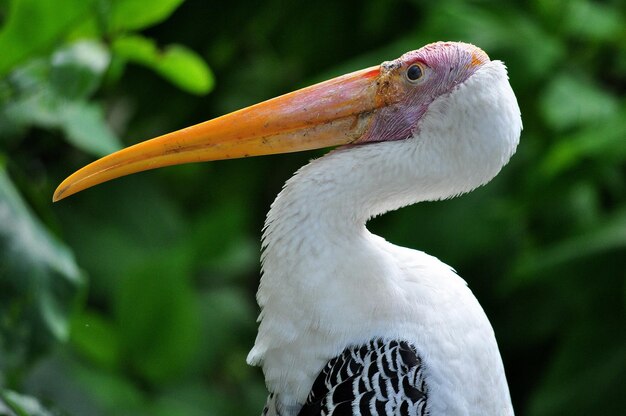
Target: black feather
380,378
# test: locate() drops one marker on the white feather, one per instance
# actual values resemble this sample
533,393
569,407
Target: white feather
328,283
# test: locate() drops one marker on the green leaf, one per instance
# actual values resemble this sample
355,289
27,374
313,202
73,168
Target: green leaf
33,27
113,392
185,68
604,142
136,49
96,339
30,103
77,69
580,380
593,20
85,127
176,63
221,242
227,315
611,235
158,316
533,47
196,399
39,279
138,14
53,93
571,101
15,404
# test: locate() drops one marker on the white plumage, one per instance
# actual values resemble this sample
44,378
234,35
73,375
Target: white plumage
328,283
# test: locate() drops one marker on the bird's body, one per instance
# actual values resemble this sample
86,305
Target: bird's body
433,124
328,283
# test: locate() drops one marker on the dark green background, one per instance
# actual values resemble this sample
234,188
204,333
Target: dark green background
137,297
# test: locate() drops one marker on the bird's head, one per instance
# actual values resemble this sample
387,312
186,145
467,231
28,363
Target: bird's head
389,102
409,84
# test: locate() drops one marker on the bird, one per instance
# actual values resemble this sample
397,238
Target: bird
349,323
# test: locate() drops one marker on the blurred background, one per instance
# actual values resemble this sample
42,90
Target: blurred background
137,297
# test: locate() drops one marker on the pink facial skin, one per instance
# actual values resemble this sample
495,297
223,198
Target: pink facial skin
443,65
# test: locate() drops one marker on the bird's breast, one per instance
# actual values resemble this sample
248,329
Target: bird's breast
423,302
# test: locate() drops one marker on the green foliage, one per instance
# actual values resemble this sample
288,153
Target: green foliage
34,26
53,93
137,297
40,282
14,404
166,306
137,14
176,63
570,102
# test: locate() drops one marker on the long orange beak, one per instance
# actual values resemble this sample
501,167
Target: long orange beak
331,113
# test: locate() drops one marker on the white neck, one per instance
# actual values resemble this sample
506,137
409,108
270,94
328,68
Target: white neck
328,283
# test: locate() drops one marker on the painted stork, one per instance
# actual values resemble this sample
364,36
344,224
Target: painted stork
351,324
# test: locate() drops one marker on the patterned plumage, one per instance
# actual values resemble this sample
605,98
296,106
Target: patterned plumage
378,378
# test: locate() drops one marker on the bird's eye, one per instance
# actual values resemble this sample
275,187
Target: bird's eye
414,73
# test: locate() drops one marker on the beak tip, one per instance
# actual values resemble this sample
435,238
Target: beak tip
60,193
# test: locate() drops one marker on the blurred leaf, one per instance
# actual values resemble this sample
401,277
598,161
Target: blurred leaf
221,241
226,314
498,28
186,69
138,14
124,234
158,317
33,27
112,391
79,389
192,400
26,103
52,93
14,404
137,49
570,101
610,235
578,366
178,64
37,272
85,127
39,279
76,70
96,339
593,20
602,141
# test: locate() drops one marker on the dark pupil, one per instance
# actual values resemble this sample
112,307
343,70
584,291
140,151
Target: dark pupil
414,72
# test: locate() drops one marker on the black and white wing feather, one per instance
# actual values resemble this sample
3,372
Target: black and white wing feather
380,378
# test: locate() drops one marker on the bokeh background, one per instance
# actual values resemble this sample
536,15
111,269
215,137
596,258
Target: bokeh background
137,297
